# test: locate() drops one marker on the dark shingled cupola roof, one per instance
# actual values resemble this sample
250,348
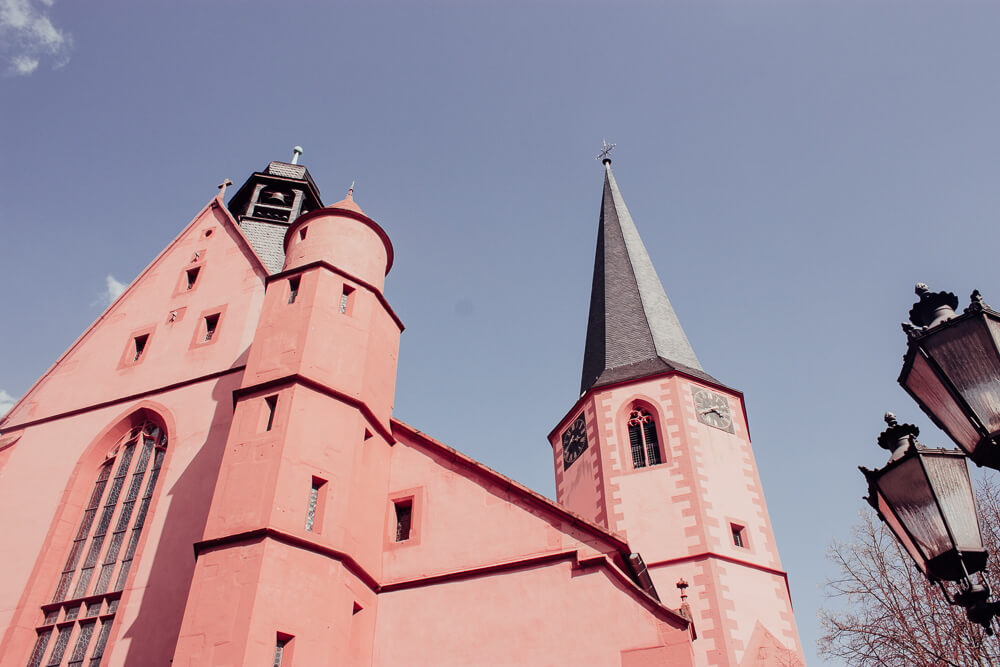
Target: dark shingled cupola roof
633,331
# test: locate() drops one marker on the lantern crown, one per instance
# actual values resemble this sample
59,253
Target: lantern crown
897,437
932,308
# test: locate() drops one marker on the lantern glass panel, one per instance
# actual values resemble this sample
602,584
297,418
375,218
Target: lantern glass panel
897,528
926,386
968,356
949,477
907,491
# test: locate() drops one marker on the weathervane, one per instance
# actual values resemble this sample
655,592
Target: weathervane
605,154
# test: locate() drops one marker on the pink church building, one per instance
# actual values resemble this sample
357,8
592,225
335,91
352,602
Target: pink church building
216,477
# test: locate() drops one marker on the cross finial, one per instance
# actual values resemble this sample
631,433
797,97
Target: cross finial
605,154
223,185
296,152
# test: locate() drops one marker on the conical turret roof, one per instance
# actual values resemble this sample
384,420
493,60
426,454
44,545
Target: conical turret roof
633,331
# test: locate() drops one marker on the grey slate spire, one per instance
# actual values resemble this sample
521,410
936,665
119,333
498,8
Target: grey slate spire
633,331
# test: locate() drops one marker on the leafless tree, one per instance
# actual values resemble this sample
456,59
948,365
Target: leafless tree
883,611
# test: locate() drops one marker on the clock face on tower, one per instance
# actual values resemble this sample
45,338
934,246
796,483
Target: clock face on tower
713,409
574,441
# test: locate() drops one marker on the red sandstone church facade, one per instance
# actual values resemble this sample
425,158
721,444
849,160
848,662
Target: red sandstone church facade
217,478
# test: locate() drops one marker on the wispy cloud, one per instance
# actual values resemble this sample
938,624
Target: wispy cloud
27,36
6,402
112,290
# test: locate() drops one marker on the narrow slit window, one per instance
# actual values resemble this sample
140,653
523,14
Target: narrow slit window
293,289
270,404
280,649
192,277
302,233
345,299
404,517
738,536
140,346
211,324
314,510
642,439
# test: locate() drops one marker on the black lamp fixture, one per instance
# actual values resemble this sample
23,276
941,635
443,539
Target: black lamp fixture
952,370
925,497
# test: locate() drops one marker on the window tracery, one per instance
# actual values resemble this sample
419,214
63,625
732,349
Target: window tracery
119,501
642,439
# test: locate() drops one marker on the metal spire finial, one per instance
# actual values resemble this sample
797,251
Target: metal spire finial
605,154
296,152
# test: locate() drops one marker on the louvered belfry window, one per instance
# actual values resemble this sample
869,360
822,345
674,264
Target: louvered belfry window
642,439
83,607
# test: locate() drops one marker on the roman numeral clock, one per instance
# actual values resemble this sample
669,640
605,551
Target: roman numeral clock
574,441
713,409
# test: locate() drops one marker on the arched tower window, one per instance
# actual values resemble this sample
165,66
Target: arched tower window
642,438
84,605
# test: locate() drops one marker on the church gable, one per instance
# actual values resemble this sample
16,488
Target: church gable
190,313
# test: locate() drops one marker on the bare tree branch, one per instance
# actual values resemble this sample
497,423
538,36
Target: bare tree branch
882,611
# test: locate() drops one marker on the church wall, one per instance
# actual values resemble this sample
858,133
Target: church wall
461,522
580,487
55,464
101,366
251,595
736,599
545,615
267,476
353,352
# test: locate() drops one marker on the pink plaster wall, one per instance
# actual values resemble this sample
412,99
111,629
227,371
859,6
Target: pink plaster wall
348,240
76,411
464,520
98,367
684,508
354,352
330,371
552,614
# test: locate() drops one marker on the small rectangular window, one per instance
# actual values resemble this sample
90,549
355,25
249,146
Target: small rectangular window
293,289
211,322
302,233
140,345
738,537
270,404
345,300
404,515
315,509
192,276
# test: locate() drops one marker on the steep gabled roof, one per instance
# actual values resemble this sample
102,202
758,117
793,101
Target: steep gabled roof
632,331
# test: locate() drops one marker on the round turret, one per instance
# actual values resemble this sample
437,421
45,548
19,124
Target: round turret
343,236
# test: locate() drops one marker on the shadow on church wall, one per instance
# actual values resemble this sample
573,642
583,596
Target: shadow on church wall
154,632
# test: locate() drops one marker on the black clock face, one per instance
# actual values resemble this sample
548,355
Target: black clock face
713,409
574,441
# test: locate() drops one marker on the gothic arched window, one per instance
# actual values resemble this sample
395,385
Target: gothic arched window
642,438
84,606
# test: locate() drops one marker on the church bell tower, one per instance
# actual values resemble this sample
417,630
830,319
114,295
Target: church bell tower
658,451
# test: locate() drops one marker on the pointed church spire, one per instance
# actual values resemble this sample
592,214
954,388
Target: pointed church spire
633,331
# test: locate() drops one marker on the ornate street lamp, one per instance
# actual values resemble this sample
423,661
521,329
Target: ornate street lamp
925,497
952,370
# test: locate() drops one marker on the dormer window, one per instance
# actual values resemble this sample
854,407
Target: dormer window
642,439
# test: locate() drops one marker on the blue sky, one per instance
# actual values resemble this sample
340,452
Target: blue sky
794,168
